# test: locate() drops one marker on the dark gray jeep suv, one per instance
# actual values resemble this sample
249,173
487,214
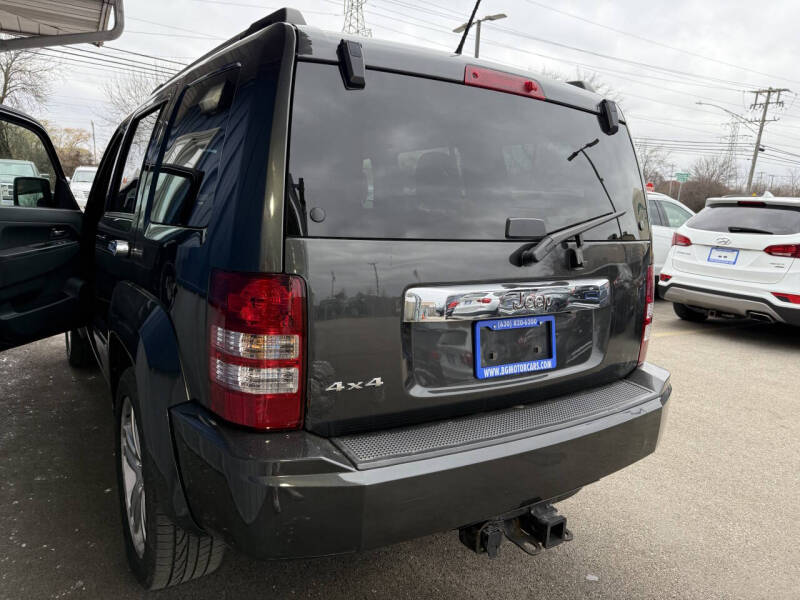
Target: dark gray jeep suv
346,293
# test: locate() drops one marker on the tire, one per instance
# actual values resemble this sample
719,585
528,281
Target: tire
79,352
160,553
688,313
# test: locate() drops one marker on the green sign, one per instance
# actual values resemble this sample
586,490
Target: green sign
682,177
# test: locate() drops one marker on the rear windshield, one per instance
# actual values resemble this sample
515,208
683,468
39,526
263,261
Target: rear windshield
415,158
773,219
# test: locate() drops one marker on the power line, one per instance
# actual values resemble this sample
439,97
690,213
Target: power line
245,5
96,61
514,32
157,24
174,35
88,63
655,42
115,60
161,58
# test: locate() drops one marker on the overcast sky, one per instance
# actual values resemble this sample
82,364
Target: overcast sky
660,57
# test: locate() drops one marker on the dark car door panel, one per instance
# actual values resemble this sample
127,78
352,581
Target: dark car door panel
39,290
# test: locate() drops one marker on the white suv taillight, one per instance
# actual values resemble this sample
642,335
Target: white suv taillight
647,324
256,325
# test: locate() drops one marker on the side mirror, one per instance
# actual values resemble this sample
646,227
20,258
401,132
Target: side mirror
32,192
69,179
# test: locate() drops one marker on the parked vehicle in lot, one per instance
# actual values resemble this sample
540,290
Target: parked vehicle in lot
9,170
81,184
266,273
737,257
666,215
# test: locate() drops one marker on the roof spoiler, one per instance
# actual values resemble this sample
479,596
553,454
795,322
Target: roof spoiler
282,15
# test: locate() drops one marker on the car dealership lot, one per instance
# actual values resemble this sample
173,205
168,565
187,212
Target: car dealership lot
712,514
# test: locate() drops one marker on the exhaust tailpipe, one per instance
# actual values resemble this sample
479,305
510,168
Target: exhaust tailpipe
759,316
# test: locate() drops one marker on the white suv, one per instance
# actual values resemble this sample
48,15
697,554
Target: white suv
666,215
738,256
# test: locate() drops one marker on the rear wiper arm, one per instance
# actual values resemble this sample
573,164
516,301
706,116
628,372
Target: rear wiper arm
544,246
735,229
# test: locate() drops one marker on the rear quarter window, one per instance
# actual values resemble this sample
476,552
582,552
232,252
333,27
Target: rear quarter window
415,158
187,178
770,219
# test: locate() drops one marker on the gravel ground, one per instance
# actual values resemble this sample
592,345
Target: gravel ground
714,513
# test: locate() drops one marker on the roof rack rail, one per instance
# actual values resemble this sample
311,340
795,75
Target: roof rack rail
282,15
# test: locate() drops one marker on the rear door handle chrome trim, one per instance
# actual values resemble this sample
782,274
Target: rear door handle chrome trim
491,301
119,247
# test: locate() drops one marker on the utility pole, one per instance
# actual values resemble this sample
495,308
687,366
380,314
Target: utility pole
477,23
94,145
354,21
769,93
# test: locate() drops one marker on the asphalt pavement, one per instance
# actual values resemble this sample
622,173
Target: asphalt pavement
714,513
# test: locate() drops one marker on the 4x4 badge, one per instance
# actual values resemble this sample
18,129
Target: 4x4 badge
340,386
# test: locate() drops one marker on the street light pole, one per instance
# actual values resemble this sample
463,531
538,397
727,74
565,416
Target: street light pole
477,23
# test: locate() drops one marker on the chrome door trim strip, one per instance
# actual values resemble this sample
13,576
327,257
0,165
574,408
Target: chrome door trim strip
489,301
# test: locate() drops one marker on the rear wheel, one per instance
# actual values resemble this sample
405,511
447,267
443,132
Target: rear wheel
688,313
160,553
79,352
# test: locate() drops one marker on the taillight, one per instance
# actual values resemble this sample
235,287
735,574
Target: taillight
664,277
784,297
788,250
647,324
680,240
502,82
256,328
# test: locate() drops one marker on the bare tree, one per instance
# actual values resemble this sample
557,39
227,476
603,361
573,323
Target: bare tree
25,78
72,146
654,162
126,92
709,178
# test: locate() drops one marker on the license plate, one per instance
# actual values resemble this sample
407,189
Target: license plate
725,256
514,346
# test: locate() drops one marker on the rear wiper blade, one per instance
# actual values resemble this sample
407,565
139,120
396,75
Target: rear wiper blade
735,229
544,246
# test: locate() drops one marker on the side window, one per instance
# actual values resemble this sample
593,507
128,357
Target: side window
123,196
654,213
186,180
27,175
676,216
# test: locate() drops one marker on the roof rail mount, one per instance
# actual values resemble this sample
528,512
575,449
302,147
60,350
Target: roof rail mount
351,63
282,15
609,117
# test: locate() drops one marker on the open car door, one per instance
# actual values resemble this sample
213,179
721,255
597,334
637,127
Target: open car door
40,233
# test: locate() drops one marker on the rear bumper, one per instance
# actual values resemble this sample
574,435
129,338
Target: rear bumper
738,304
281,495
